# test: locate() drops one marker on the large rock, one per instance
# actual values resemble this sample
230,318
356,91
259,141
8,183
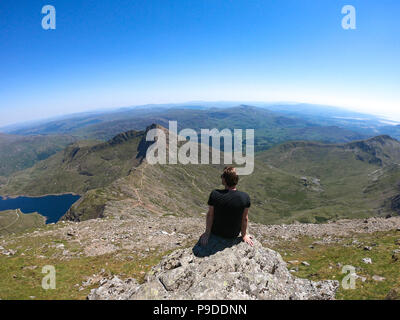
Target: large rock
237,272
114,289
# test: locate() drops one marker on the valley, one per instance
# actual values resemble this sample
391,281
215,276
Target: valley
312,201
20,152
303,181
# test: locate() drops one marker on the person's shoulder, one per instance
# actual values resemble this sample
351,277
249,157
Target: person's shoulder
245,199
218,191
214,193
244,195
214,196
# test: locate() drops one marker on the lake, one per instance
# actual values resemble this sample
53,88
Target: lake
53,207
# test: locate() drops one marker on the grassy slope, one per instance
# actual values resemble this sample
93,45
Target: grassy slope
22,272
82,166
326,261
21,152
348,187
180,190
277,196
354,184
14,221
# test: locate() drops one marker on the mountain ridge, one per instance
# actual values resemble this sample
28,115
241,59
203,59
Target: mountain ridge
295,181
21,152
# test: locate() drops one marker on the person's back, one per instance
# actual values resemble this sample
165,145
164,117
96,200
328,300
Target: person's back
227,216
228,206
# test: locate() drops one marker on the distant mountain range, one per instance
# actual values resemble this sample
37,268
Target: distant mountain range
295,181
21,146
86,125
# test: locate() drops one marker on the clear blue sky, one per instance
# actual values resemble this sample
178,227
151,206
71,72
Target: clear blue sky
120,53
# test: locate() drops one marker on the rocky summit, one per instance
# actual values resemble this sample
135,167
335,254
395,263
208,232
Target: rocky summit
237,272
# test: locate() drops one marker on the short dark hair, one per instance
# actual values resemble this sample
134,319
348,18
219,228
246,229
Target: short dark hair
230,176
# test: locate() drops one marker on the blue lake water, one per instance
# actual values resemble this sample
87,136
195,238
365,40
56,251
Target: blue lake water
52,207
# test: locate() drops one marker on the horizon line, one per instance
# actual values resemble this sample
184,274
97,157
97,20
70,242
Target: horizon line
239,102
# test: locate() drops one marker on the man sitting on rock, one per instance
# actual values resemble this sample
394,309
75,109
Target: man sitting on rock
227,216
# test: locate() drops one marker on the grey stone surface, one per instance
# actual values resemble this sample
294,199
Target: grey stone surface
237,272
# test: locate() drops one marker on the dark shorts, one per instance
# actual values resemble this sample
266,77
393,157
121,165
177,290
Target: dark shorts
215,244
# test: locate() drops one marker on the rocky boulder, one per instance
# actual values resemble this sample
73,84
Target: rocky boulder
114,289
238,272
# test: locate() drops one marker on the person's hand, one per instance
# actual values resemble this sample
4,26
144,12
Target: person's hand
248,240
204,238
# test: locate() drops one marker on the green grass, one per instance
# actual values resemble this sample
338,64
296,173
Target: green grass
353,183
14,221
19,281
324,260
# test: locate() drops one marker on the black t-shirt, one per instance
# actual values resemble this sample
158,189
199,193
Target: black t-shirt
228,211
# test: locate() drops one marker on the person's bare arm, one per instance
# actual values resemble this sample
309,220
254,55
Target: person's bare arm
210,218
245,221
